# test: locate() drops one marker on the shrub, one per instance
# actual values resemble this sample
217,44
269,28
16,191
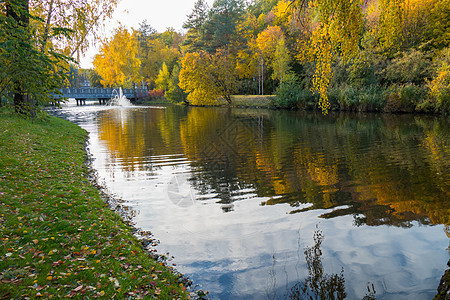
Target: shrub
156,94
351,98
287,93
174,93
348,98
412,67
403,98
371,99
438,99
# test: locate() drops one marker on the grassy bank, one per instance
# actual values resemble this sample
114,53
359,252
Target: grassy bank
58,237
248,101
260,101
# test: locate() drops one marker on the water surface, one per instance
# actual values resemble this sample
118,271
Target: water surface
260,204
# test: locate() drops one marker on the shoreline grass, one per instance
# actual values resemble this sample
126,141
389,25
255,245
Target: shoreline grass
59,238
241,101
250,101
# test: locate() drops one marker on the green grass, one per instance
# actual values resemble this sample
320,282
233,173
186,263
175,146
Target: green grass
264,101
58,238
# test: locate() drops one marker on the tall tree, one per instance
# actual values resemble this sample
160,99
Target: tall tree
163,79
17,13
26,72
281,60
219,31
174,92
81,17
336,30
118,62
194,23
206,76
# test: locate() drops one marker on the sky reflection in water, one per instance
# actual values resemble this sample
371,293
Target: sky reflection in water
237,196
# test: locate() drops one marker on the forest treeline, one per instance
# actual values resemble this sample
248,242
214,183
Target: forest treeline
371,55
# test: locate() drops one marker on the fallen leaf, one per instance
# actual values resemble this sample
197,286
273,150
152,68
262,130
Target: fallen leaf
77,289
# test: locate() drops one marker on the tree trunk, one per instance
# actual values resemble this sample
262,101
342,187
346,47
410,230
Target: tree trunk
47,26
19,12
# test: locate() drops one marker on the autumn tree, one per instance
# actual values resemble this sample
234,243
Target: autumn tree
163,79
174,93
281,60
79,18
37,41
273,52
438,29
157,49
26,72
336,30
206,76
247,62
262,7
118,63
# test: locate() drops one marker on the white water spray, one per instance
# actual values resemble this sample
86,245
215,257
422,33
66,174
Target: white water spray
119,99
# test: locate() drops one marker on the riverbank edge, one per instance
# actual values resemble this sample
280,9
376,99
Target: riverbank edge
267,102
59,236
444,286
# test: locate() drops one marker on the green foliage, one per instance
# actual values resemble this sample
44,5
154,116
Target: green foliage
438,99
348,97
174,93
205,77
27,76
438,29
364,67
290,94
219,30
404,98
412,66
198,15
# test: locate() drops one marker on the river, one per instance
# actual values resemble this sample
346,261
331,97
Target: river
262,204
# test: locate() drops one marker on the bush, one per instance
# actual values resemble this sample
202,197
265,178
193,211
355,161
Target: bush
412,67
287,93
155,94
438,99
404,98
351,98
348,98
371,99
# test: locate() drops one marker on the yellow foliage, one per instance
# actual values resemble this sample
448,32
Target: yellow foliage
163,79
82,17
154,54
194,79
337,29
205,77
283,13
118,63
267,41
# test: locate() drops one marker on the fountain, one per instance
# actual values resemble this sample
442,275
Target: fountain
119,99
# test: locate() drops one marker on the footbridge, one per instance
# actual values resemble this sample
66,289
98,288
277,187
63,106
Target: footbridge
102,94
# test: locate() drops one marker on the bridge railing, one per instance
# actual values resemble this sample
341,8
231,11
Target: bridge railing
100,93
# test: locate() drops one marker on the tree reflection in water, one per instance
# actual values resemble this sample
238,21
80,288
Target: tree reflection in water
318,284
